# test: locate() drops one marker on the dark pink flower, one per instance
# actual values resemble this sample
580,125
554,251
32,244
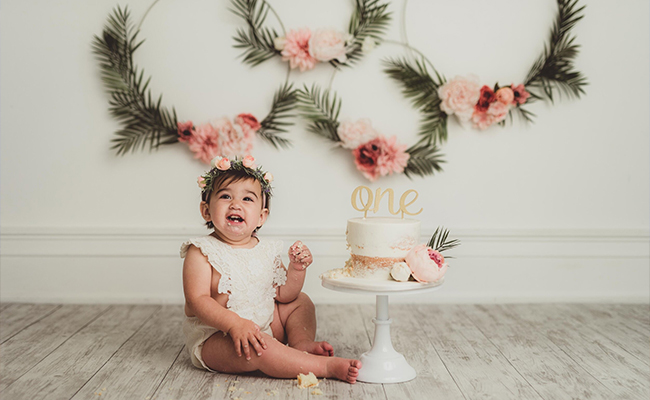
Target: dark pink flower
380,157
521,95
486,97
248,121
185,131
436,257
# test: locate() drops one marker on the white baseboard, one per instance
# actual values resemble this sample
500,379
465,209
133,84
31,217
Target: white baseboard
143,266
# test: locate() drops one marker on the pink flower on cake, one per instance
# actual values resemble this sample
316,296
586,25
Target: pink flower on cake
486,97
233,140
328,44
424,265
520,93
248,162
505,95
185,130
296,50
380,157
248,121
205,143
354,134
459,96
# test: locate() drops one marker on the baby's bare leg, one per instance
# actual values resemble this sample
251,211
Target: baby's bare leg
277,360
298,320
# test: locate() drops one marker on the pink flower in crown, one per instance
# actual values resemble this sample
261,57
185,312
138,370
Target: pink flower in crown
205,143
328,44
296,50
201,181
354,134
424,264
268,177
520,93
248,162
505,95
233,140
223,164
459,96
380,157
248,121
185,130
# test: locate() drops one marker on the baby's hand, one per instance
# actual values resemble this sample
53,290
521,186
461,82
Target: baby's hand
300,256
244,332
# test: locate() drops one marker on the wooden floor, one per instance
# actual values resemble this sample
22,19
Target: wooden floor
499,352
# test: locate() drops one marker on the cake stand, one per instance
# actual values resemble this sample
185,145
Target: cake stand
382,364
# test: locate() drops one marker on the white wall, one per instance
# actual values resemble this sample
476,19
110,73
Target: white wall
554,211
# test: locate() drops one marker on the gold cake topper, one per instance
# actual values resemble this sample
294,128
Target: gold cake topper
367,205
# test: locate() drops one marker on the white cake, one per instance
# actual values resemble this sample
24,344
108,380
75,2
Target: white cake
376,244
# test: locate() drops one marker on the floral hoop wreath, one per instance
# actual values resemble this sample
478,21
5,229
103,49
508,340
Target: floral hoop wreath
304,48
436,99
146,122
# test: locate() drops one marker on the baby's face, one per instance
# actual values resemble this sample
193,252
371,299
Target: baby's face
236,209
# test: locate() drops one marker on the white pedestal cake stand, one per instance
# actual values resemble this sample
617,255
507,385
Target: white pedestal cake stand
382,364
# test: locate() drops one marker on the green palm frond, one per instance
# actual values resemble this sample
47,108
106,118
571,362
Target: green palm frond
256,41
422,89
370,19
321,109
424,159
144,120
275,123
440,242
554,71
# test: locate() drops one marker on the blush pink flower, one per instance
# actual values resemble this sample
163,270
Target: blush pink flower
424,265
233,140
185,130
380,157
205,143
248,121
505,95
496,112
459,96
354,134
268,177
520,93
201,181
328,44
223,164
248,162
296,50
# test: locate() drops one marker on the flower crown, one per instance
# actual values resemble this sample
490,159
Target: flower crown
246,164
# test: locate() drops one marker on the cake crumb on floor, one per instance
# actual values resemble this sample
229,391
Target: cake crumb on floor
316,391
309,380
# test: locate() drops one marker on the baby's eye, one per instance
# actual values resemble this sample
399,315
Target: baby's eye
248,199
224,196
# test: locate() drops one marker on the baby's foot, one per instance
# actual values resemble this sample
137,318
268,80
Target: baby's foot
317,348
344,369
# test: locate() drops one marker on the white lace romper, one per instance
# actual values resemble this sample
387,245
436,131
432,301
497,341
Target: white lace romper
248,276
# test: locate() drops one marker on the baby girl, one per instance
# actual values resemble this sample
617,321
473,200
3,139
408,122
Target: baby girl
242,304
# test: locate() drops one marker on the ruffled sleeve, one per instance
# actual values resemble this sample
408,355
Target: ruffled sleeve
215,255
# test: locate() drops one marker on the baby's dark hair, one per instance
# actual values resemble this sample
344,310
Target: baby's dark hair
224,178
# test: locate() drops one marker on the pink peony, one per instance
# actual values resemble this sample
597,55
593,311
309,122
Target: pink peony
248,121
328,44
380,157
486,97
505,95
459,96
520,93
205,143
427,265
223,164
354,134
233,140
296,50
248,162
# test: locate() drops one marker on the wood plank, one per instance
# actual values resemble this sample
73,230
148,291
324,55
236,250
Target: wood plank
15,317
71,365
477,366
620,371
27,348
433,380
525,334
138,367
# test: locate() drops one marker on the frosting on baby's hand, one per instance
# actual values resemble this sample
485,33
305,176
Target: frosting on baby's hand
300,256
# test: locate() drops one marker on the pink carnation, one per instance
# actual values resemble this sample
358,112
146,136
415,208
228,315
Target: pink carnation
427,265
354,134
205,143
459,96
520,93
185,130
496,112
248,121
328,44
380,157
296,50
233,140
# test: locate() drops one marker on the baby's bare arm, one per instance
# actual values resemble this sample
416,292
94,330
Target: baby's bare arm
299,259
197,278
